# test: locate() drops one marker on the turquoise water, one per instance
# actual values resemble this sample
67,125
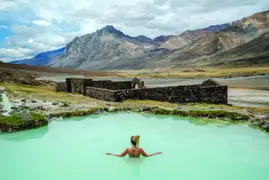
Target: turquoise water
75,149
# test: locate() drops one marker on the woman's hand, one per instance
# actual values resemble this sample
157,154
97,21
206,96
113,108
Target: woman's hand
158,152
108,153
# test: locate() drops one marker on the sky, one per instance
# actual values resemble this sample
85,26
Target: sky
28,27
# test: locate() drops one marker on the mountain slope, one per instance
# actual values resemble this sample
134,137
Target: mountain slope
251,53
161,39
102,48
189,36
41,59
144,39
217,28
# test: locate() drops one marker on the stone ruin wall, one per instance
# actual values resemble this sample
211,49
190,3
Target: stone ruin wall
102,94
112,85
208,92
61,87
178,94
78,85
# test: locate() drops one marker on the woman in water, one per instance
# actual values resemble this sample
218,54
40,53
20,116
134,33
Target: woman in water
134,151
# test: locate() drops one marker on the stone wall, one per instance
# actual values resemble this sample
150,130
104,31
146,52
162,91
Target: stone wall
208,92
137,83
179,94
102,94
61,87
112,85
87,82
77,85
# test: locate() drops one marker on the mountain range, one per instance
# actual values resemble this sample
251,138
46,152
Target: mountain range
41,59
241,42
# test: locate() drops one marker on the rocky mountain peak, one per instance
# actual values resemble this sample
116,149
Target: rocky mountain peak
109,29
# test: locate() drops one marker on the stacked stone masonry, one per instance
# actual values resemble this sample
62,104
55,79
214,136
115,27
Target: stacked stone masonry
208,92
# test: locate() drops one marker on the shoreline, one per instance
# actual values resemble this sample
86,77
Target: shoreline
224,116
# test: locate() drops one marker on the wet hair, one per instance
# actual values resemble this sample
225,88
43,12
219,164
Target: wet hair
134,142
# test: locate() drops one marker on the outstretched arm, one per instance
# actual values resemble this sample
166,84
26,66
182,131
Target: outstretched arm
119,155
148,155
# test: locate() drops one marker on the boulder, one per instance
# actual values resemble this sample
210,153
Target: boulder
55,103
210,82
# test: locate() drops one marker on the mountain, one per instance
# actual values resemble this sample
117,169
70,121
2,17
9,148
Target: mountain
257,23
217,28
189,36
109,48
162,39
104,48
242,41
144,39
41,59
253,52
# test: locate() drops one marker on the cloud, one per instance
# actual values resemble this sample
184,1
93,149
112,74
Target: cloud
7,53
5,4
42,25
3,27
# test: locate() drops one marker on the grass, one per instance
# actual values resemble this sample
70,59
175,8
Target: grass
77,113
22,121
43,93
194,73
149,103
211,114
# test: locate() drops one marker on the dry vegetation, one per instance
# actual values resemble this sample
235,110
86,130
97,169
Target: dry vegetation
194,73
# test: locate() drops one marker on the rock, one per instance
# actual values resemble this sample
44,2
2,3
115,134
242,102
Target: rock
32,108
145,108
55,103
49,116
178,108
44,101
111,109
64,104
255,124
23,100
33,101
266,127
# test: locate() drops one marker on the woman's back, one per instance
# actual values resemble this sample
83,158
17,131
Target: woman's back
134,152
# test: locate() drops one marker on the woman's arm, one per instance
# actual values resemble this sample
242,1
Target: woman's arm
119,155
148,155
